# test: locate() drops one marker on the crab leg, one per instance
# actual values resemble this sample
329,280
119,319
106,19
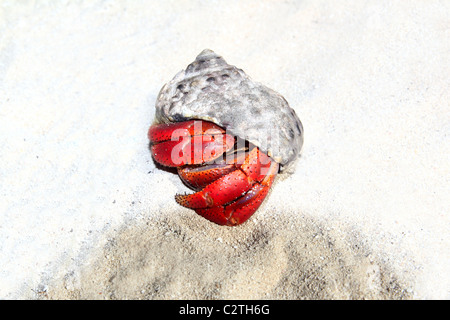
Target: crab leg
240,210
221,191
228,187
198,177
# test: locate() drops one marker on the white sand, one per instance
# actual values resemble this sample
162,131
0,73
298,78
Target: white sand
85,214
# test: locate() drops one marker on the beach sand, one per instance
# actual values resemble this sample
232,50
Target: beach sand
85,214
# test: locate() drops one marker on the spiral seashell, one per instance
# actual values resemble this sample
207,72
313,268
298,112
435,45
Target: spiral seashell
210,89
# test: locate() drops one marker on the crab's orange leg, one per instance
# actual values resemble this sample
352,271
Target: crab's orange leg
221,191
243,208
227,188
199,177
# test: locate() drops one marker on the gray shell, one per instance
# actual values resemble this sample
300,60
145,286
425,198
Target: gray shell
210,89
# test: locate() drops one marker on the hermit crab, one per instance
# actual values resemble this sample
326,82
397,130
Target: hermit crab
226,135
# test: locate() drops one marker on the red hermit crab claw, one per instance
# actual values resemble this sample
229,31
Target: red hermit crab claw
231,173
188,143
